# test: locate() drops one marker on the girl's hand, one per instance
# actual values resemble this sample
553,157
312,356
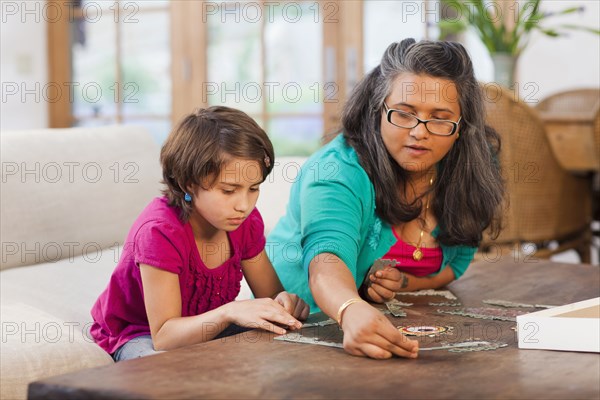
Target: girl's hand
368,333
261,313
387,282
293,305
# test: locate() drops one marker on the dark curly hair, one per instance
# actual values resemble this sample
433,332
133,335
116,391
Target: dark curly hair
469,190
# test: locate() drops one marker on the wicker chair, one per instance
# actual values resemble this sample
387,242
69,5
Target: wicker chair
545,203
572,121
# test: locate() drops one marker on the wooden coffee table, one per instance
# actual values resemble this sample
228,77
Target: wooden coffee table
253,365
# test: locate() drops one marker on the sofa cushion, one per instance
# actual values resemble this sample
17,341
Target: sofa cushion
67,288
66,192
45,313
36,345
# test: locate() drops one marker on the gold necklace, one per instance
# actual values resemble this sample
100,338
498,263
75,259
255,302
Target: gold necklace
418,254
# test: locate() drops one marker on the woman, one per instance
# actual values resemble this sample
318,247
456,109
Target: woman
413,177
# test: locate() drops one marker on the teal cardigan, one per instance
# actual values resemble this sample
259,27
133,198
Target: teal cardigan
332,210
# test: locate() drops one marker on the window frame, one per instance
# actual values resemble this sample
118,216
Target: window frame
342,59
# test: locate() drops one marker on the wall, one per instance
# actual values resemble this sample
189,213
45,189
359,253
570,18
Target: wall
557,64
552,64
23,65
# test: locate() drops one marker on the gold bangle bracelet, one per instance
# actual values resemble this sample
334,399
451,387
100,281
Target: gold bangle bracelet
343,307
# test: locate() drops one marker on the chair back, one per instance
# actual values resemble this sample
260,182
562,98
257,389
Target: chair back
545,202
572,119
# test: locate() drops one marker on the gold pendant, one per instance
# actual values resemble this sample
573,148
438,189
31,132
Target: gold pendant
417,254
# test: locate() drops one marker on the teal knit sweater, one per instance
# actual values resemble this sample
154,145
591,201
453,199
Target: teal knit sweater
332,210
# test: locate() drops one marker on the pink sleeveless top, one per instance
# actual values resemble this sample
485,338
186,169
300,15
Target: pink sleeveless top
403,253
160,239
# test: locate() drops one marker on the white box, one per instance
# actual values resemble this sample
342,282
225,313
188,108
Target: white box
573,327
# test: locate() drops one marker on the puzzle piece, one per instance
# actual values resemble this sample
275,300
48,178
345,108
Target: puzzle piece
328,321
424,330
510,304
432,292
460,347
379,265
298,338
395,307
486,313
468,346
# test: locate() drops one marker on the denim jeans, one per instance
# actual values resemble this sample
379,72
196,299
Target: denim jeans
140,346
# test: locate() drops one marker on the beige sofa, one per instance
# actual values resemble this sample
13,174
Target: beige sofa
67,200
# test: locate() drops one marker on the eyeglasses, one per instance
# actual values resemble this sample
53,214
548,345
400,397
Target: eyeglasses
401,119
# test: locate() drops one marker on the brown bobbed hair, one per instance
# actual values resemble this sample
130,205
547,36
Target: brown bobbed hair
202,143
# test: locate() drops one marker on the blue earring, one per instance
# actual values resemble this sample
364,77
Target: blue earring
187,197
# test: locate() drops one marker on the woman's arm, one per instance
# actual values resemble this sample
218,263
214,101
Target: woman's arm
264,282
366,331
162,298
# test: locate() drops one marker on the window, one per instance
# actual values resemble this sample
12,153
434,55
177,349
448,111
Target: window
151,62
386,22
266,59
120,64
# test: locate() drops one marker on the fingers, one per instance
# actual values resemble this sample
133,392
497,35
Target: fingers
379,294
275,312
401,347
368,333
391,279
380,347
265,314
388,273
301,310
268,326
293,305
287,301
371,351
305,312
395,342
374,296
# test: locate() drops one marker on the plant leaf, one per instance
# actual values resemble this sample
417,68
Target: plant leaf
580,28
495,35
550,32
567,11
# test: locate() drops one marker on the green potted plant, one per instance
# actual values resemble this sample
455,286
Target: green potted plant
504,28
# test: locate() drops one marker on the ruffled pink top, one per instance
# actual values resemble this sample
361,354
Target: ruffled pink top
159,238
403,253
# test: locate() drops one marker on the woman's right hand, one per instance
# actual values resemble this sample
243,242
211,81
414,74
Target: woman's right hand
368,333
262,313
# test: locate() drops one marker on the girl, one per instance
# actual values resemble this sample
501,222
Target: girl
185,255
412,177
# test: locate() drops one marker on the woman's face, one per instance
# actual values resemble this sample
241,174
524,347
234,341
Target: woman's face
417,150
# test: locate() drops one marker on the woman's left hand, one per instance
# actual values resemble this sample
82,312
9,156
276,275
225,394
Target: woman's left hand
293,305
387,282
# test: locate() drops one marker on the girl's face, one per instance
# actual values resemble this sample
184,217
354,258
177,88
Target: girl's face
417,150
226,204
